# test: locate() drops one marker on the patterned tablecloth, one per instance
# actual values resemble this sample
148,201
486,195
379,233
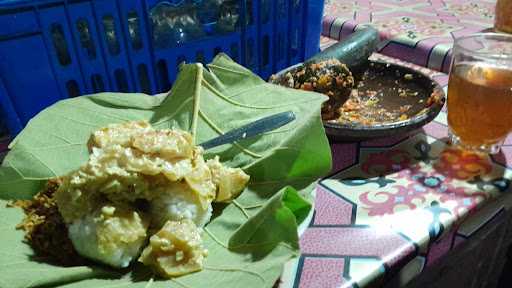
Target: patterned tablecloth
395,206
398,202
420,32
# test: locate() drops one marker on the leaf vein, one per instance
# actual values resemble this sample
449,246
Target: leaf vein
241,208
243,73
97,112
231,101
41,161
171,116
214,238
235,269
79,122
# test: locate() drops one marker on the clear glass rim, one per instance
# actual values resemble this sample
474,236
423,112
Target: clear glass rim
506,37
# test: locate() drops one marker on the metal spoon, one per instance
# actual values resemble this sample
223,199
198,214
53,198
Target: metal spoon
255,128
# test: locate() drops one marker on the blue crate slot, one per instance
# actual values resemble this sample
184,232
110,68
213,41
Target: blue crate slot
56,49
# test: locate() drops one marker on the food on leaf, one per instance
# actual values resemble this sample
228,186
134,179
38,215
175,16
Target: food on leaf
175,250
330,77
113,235
139,179
229,181
45,229
54,143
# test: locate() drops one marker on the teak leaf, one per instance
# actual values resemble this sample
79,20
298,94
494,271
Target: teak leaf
251,238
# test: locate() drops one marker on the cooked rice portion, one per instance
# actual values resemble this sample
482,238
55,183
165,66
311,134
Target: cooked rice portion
113,235
135,181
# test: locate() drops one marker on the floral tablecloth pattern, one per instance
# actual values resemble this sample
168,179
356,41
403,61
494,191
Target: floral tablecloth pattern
396,202
421,32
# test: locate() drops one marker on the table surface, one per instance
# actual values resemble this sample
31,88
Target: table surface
421,32
403,201
391,203
398,202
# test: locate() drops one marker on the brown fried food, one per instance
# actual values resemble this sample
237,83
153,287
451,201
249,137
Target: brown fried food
45,230
330,77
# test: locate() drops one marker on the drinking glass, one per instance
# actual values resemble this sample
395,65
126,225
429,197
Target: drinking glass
480,92
503,16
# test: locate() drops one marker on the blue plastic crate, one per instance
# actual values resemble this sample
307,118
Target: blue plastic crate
52,50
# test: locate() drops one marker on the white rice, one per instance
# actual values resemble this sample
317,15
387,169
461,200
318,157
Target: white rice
83,234
176,207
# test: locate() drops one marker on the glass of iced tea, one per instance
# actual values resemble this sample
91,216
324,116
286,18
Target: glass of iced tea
480,91
503,18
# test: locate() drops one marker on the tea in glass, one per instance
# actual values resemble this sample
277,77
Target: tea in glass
503,17
480,92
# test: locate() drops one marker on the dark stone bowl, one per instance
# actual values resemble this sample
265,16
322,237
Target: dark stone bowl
387,78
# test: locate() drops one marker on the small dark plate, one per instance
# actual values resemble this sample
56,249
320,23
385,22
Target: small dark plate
388,80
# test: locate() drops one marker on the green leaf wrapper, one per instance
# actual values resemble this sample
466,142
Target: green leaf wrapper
249,240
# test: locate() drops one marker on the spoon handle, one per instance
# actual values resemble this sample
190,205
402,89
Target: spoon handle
252,129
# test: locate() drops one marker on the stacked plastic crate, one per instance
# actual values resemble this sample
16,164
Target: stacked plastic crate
55,49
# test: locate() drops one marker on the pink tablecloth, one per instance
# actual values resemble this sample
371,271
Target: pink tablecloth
420,32
404,201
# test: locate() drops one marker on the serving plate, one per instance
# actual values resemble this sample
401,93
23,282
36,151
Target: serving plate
389,81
